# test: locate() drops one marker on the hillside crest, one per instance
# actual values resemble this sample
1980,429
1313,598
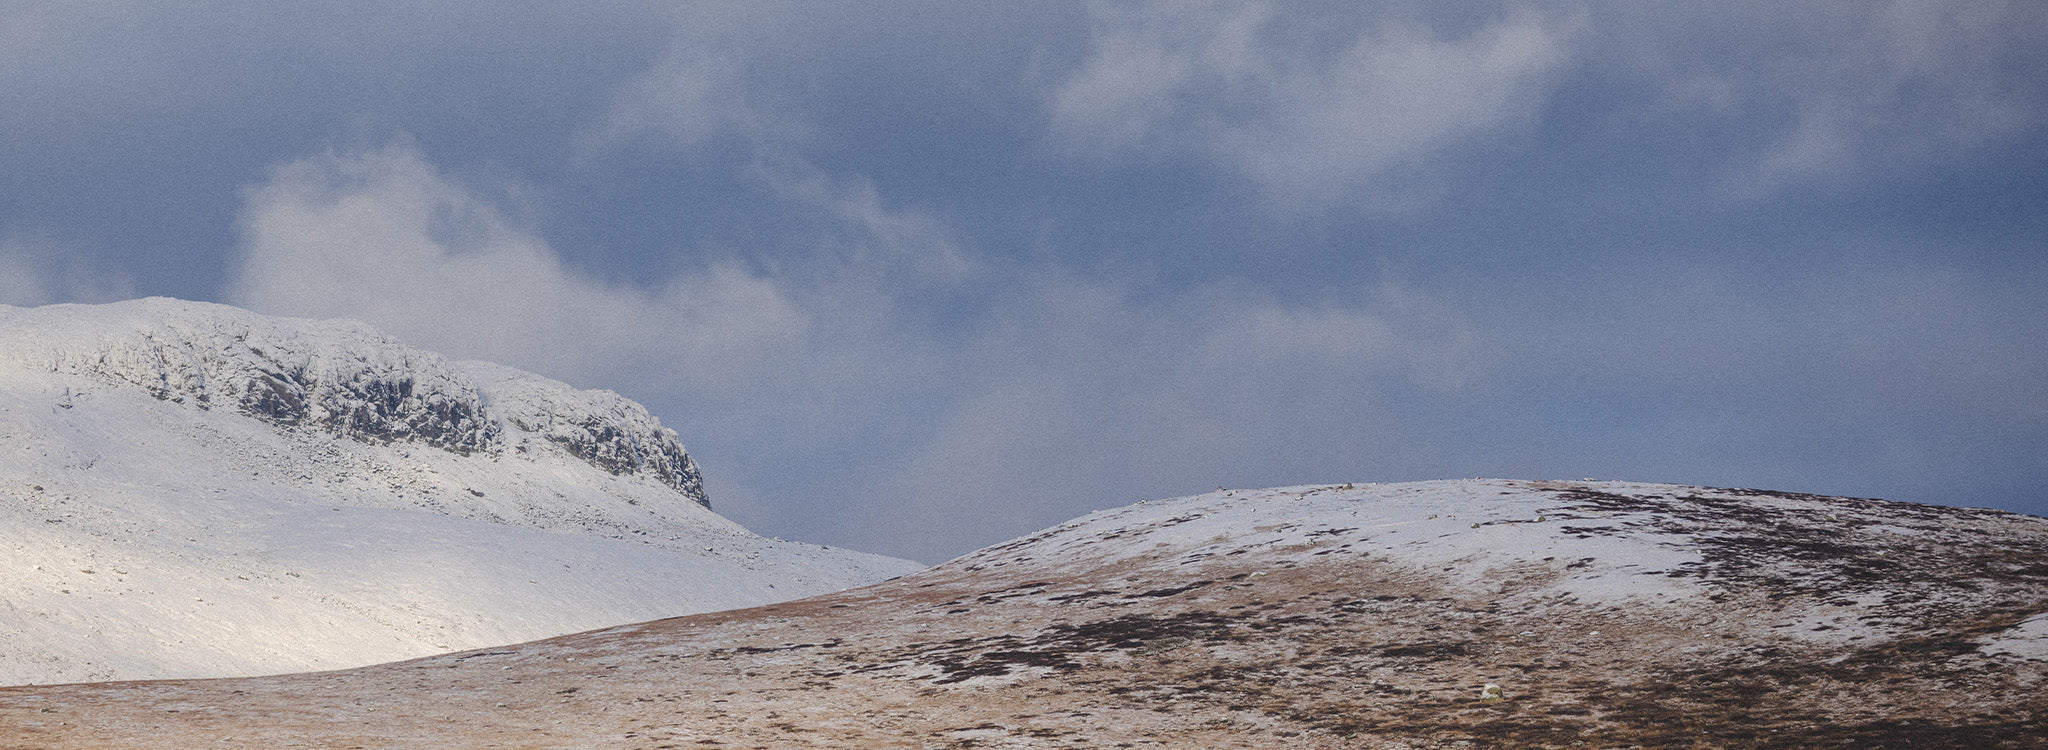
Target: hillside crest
343,378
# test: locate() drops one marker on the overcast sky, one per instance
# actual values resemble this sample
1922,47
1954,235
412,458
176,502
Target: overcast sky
916,277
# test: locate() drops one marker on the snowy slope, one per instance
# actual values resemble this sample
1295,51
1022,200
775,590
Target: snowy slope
1605,614
194,490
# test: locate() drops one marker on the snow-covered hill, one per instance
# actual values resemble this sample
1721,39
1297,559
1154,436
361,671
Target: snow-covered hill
1478,613
189,489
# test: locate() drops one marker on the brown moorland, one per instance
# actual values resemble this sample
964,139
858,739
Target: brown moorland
1608,614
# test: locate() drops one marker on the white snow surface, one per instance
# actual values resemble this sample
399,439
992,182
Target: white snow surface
1473,534
1860,566
192,490
2027,640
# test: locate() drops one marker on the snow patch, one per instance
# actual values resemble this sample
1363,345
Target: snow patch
190,490
339,377
2026,640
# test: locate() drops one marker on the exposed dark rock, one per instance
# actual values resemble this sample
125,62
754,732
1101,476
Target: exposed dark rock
342,378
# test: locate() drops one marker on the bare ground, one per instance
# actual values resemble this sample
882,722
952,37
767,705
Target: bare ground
1311,644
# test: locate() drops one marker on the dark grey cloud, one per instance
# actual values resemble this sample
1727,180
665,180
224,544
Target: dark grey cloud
917,276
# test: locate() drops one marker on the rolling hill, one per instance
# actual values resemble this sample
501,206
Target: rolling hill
193,490
1475,613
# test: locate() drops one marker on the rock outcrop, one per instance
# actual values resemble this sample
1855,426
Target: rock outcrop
341,377
192,490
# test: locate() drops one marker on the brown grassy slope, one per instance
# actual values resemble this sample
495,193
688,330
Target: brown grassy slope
1319,642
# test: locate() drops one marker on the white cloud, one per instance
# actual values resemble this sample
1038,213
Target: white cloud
1145,61
1909,79
383,237
40,272
904,240
702,87
791,366
725,74
1838,90
1827,90
1084,395
687,98
23,281
1070,394
1233,81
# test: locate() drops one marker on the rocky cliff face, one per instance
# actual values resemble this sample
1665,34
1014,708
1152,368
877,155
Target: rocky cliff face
191,490
600,427
343,378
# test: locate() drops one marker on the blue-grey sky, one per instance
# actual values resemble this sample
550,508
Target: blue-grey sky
915,277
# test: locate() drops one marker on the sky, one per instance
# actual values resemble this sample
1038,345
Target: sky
918,277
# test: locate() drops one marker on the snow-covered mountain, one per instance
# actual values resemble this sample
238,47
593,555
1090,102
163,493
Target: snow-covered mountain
1471,613
189,489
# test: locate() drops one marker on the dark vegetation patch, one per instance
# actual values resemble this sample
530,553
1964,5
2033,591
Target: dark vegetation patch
1173,590
1059,647
1335,653
1750,691
1080,596
1428,650
1827,547
833,643
1767,697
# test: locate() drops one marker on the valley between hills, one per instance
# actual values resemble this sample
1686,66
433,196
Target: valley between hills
227,530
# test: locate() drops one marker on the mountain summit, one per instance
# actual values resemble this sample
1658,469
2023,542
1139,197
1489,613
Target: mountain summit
190,489
340,378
